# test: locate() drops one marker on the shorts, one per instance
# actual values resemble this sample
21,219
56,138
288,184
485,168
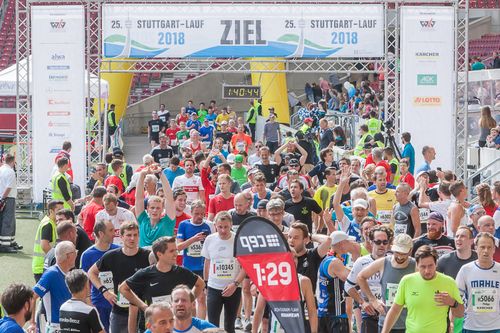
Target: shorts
333,325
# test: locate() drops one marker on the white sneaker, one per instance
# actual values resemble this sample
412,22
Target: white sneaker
238,324
247,325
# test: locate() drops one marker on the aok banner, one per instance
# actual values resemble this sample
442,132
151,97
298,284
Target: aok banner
263,253
58,49
427,80
232,30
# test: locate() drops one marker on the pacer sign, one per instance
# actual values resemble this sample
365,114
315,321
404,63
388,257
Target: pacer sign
233,30
262,251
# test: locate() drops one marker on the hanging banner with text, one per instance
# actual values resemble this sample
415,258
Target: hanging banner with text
428,81
233,31
58,49
262,251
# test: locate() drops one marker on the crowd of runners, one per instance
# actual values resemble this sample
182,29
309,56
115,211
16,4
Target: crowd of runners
381,244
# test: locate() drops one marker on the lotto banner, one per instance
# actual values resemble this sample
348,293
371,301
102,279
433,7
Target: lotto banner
428,81
58,49
234,30
262,251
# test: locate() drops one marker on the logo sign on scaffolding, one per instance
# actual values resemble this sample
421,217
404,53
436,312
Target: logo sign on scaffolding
232,30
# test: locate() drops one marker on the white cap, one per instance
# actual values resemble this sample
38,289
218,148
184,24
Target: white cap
230,158
360,203
339,236
402,243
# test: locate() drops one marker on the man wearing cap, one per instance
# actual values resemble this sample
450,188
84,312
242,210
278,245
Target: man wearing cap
276,211
475,212
380,238
239,171
428,296
389,270
434,236
272,134
332,274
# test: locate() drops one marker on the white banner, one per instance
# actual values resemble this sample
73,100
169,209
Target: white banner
58,49
428,81
233,30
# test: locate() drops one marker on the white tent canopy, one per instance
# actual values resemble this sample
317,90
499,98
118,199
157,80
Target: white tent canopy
8,82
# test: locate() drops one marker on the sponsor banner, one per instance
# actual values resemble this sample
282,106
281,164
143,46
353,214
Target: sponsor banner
58,37
428,81
234,30
262,251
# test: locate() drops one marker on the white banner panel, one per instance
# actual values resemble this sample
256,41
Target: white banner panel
233,30
58,49
428,81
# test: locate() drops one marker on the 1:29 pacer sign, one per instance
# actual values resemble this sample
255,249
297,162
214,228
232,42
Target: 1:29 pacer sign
242,30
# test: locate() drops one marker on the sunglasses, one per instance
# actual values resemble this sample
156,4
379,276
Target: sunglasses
380,242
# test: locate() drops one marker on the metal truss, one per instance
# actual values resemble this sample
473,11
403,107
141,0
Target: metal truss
461,72
97,65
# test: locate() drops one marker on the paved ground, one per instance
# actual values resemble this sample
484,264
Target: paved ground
135,148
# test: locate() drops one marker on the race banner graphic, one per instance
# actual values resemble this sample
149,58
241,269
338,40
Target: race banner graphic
234,30
262,251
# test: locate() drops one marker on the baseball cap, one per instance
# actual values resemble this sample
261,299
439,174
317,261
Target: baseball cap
117,152
367,146
402,243
339,236
262,204
294,161
474,208
308,119
360,203
422,173
275,203
238,159
436,216
224,122
230,158
253,171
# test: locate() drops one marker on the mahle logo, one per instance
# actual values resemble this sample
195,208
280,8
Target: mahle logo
427,79
58,24
430,23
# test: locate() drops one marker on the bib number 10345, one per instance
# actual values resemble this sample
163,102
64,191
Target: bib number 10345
273,274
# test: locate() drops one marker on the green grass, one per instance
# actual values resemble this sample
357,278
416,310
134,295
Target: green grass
17,267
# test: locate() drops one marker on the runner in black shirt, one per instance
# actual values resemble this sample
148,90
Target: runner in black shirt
268,167
241,210
299,206
155,283
308,259
434,236
75,314
113,268
155,126
162,152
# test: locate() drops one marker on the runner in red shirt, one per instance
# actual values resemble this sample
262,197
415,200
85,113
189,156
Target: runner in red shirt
180,199
223,201
117,167
87,216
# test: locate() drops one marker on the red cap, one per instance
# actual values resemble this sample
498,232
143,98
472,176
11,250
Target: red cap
308,120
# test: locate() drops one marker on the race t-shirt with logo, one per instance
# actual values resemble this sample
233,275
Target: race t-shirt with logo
403,223
373,281
192,258
78,317
162,156
481,290
330,292
117,267
302,210
192,186
122,215
224,267
417,294
155,127
385,201
53,290
270,171
442,245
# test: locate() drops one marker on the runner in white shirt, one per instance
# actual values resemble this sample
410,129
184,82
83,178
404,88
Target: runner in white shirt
191,184
223,273
117,215
479,284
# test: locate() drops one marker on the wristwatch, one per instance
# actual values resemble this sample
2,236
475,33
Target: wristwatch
455,305
236,283
103,289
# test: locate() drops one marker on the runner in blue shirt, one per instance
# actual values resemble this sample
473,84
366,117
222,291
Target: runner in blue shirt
52,285
104,232
16,301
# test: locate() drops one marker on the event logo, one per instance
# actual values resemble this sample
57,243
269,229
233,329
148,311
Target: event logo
426,79
58,57
57,135
58,102
58,124
58,67
252,242
51,90
58,113
58,25
426,101
427,24
58,77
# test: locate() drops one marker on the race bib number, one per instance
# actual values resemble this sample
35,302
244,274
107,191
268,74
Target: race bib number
240,145
384,216
400,229
376,291
224,268
390,293
484,299
424,214
194,250
122,301
173,142
164,298
155,128
107,279
164,162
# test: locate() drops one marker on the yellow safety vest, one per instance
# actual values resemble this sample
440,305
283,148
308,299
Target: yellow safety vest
258,107
56,191
397,175
252,120
38,254
374,126
122,176
111,123
361,144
